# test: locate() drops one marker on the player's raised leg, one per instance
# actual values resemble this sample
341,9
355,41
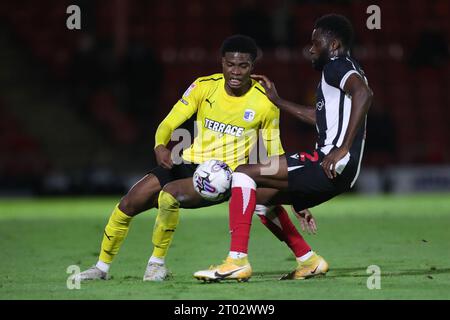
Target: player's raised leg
141,197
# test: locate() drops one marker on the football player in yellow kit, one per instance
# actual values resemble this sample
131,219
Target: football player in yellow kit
232,109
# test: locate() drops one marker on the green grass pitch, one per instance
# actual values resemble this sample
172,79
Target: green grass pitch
408,237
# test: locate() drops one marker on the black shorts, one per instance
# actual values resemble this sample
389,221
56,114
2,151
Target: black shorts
178,171
307,182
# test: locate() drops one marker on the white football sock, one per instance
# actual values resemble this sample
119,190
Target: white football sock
103,266
156,260
261,210
306,256
237,255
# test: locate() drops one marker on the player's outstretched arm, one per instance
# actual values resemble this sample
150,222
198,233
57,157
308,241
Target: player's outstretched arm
303,113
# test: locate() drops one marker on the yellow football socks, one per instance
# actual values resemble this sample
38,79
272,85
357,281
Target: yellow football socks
115,232
165,224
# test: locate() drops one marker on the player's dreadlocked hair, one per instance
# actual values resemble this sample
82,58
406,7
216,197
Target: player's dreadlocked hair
240,43
338,26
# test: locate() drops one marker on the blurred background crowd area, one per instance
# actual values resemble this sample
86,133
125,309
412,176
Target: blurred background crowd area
79,108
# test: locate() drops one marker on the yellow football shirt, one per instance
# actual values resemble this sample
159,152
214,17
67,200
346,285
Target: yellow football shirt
227,127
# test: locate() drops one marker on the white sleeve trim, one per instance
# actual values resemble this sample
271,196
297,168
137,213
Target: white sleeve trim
345,77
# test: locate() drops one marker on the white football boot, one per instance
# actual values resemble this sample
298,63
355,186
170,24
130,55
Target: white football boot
92,273
156,272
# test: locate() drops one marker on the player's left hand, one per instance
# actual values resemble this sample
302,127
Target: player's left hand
269,87
330,160
307,221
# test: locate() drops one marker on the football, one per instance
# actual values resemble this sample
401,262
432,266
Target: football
212,180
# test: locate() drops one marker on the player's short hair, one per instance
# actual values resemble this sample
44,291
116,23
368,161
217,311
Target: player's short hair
240,43
338,26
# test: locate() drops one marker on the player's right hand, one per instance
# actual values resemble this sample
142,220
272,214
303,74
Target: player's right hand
163,157
269,86
307,221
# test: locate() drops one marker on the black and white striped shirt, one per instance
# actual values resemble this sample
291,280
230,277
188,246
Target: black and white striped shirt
333,107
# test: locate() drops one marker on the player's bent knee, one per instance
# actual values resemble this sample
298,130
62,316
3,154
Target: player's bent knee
132,205
182,194
126,205
142,196
172,189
